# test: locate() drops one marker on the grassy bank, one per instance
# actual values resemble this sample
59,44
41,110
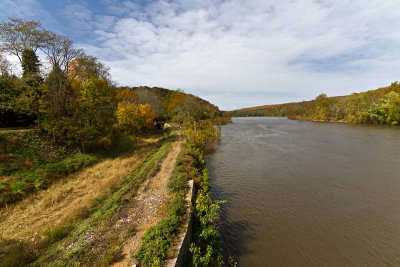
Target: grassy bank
88,238
93,235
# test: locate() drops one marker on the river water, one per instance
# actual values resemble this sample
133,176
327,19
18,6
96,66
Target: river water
308,194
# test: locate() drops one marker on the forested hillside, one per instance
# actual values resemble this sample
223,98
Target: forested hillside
380,106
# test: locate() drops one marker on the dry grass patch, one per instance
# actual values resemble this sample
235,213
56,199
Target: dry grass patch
64,200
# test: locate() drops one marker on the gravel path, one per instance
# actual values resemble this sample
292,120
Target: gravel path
147,208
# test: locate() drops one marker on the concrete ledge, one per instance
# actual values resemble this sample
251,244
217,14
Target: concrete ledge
185,236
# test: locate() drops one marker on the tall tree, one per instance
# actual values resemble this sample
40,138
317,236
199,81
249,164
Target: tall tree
58,93
60,51
18,35
85,67
31,69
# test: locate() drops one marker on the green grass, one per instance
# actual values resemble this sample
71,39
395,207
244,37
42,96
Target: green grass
30,162
19,184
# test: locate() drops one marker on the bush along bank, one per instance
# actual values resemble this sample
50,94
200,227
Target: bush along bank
206,246
159,241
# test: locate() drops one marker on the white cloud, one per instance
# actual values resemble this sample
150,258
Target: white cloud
299,48
80,17
19,8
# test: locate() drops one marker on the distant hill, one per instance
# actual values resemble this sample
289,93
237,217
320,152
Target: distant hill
380,106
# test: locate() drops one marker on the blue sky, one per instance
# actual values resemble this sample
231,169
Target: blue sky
234,53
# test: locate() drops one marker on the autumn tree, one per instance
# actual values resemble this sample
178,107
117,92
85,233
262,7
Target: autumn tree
323,107
387,110
172,99
133,117
200,133
85,67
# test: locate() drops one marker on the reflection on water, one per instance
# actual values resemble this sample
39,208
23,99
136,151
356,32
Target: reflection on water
308,194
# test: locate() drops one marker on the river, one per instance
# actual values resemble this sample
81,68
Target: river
305,193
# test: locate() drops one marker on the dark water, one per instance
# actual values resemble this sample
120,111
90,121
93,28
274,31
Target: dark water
308,194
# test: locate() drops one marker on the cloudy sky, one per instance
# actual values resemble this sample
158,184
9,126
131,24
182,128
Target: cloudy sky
234,53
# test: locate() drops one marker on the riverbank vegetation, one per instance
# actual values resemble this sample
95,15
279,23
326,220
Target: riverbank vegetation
205,248
159,240
380,106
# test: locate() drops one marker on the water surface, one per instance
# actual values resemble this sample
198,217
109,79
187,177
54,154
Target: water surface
308,194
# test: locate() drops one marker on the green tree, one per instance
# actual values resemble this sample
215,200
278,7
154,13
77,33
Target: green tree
30,62
30,90
323,108
387,110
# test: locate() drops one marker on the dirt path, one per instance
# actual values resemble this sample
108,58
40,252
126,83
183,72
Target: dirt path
64,199
147,207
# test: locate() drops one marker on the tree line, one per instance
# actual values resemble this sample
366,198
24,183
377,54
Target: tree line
380,106
75,101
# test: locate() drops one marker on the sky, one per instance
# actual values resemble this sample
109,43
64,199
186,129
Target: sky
233,53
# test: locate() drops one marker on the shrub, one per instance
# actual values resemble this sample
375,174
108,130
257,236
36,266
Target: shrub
177,184
112,255
15,253
56,234
157,243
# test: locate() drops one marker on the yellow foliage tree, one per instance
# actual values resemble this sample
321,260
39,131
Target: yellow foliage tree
132,117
